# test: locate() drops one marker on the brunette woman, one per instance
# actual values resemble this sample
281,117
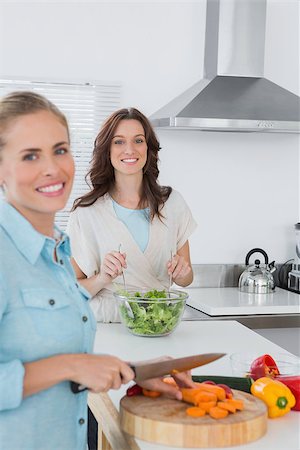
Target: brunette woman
127,207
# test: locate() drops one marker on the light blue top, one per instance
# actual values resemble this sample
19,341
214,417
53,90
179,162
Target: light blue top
43,312
137,222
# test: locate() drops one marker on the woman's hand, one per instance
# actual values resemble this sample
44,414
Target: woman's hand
99,373
112,266
180,270
183,379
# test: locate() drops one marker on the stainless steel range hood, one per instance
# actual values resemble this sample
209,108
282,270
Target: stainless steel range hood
233,95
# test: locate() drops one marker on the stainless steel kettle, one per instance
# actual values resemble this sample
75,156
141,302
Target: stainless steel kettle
256,279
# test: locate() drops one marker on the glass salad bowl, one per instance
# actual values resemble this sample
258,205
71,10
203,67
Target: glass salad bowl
287,364
147,312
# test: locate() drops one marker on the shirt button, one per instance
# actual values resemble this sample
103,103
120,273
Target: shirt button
81,421
61,262
51,302
84,319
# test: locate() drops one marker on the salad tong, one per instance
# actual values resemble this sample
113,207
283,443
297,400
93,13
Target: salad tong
127,305
170,277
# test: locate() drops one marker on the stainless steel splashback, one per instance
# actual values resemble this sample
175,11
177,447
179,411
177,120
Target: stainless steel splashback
227,275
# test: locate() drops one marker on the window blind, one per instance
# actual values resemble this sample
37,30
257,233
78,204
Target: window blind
86,106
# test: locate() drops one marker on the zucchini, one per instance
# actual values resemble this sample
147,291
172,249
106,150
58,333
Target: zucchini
239,383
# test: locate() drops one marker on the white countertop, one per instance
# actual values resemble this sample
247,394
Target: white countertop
230,301
201,337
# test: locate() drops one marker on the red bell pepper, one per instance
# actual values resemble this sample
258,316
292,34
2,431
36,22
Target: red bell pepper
264,366
134,390
293,383
226,388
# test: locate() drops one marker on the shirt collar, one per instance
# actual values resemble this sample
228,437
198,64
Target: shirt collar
26,238
64,242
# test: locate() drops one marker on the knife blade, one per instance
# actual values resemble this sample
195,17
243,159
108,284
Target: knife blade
146,370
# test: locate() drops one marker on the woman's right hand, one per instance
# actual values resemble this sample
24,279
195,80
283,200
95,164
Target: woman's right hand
100,373
112,266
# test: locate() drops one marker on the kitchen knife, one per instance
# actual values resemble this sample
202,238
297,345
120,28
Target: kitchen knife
146,370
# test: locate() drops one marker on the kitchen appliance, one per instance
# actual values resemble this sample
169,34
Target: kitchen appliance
144,370
164,421
294,275
256,279
234,95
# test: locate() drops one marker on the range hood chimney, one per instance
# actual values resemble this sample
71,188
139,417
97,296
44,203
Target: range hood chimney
233,95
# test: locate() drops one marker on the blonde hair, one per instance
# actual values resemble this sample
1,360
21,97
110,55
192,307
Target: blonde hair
21,103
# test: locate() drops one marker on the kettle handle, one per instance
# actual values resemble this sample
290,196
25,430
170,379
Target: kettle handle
256,250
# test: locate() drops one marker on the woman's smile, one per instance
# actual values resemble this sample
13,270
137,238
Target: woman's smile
52,190
129,160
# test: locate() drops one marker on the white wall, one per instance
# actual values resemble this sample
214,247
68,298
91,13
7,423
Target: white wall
242,187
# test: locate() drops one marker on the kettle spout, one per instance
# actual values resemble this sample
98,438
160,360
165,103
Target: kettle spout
272,267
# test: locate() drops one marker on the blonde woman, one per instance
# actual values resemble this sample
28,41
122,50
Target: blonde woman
46,326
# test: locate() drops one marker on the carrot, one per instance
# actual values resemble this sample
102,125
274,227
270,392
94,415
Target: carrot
218,413
237,403
152,394
189,395
194,411
204,396
227,406
206,406
219,391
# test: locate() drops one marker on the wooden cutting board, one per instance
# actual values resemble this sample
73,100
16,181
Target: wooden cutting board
164,421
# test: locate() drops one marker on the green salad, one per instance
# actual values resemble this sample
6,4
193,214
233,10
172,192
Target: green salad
153,317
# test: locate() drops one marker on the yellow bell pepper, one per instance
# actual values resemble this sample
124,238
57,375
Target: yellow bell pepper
278,397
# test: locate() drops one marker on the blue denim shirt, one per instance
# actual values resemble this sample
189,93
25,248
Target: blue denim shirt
43,312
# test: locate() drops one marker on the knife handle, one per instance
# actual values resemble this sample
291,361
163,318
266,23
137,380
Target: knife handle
76,388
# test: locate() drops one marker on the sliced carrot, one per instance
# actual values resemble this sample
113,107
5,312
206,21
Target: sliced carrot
204,396
194,411
218,390
206,406
218,413
152,394
189,395
237,403
227,406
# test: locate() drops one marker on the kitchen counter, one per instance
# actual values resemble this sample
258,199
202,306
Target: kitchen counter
193,337
199,299
251,321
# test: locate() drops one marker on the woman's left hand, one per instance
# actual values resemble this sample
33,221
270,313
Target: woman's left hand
183,380
179,268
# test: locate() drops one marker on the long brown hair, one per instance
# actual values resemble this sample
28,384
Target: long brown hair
101,173
21,103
